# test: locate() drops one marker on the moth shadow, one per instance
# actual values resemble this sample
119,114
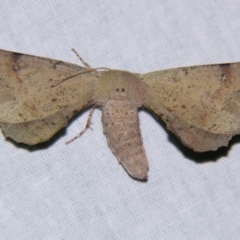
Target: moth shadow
52,140
202,157
199,157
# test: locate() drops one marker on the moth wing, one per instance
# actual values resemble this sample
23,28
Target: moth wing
200,104
39,95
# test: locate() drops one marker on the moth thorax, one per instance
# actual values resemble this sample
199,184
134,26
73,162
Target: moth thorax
120,85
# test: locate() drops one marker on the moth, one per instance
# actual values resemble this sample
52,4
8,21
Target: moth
199,104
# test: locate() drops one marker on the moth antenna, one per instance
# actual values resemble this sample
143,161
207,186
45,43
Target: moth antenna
79,73
83,62
86,127
86,70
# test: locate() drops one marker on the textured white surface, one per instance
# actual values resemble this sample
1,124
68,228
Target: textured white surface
79,191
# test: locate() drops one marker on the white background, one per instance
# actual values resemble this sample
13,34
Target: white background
79,191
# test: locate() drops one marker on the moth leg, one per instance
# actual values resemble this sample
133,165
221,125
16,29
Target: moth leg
83,62
88,124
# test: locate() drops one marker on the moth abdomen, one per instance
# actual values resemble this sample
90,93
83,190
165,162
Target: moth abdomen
121,127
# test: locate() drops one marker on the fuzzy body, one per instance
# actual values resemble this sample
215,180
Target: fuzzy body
125,94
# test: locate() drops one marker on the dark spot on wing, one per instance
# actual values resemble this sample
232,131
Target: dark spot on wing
225,74
225,65
57,63
16,56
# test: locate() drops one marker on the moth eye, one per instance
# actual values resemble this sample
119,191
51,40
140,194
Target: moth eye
117,89
123,90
